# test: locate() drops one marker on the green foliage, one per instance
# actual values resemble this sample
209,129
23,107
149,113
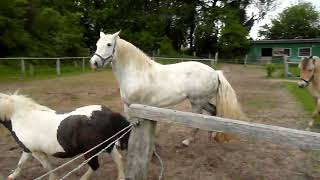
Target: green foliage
166,47
270,69
71,28
233,41
298,21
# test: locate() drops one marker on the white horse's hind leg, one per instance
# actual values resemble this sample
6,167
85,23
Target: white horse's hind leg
195,109
24,158
44,160
117,158
87,174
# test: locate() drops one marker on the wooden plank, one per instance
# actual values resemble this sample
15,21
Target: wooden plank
286,66
23,67
83,64
140,150
274,134
216,56
245,60
58,67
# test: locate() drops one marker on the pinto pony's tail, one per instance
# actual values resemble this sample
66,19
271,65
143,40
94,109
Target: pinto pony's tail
227,102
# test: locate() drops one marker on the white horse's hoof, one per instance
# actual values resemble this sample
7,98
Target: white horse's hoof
9,178
186,142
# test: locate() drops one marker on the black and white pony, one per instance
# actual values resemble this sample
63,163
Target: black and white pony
40,131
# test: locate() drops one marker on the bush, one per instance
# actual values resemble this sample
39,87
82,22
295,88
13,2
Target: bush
166,47
270,68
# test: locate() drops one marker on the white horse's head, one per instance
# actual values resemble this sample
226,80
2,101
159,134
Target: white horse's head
105,50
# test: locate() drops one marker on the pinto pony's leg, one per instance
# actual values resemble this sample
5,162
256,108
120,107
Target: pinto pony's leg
93,163
24,158
117,158
44,160
87,174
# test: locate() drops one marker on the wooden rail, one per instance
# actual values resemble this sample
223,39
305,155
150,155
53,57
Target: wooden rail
142,138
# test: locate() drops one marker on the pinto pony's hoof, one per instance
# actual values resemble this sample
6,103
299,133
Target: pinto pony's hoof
9,178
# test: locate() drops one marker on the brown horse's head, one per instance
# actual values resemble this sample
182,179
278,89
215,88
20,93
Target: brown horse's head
307,69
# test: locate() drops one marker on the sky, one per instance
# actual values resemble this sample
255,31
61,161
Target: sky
280,6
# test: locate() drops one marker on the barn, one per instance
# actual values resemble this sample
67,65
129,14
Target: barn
272,50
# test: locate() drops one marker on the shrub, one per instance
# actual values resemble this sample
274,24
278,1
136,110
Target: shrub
270,68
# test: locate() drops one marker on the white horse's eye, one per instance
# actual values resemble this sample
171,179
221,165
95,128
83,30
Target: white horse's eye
109,44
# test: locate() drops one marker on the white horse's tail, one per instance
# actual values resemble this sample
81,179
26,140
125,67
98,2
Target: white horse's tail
227,102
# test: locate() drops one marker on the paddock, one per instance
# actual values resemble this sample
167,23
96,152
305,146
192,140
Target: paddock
263,100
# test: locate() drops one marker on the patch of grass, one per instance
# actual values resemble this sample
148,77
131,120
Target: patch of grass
11,73
304,98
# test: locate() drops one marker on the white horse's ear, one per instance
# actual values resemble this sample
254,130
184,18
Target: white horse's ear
116,34
101,34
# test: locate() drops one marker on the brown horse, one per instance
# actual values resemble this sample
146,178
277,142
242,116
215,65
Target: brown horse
310,77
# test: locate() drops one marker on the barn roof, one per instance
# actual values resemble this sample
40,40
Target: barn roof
276,41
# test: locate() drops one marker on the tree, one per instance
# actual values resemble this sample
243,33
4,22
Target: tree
298,21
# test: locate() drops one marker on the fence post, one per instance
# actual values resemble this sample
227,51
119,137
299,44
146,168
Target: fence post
83,64
286,66
245,60
31,70
58,66
140,150
153,55
23,67
216,58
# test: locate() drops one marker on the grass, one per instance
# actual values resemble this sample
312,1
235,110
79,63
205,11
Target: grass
303,96
10,72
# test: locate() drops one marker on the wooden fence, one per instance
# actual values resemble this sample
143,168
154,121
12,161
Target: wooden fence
286,64
141,143
57,59
84,61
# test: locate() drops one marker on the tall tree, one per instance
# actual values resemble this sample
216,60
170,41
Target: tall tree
298,21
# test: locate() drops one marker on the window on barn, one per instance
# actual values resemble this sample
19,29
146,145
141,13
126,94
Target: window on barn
305,51
266,51
287,51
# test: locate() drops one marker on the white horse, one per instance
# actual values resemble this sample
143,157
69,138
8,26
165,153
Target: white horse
145,81
40,131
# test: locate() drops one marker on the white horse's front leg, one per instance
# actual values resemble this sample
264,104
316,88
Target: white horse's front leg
44,160
24,158
117,158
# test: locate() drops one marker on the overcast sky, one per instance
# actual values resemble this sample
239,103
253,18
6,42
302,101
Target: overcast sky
280,6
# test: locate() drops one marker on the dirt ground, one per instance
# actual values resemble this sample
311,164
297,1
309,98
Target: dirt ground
263,100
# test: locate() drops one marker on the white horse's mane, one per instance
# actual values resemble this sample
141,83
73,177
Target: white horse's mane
126,51
12,102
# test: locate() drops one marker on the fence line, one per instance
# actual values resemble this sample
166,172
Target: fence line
286,64
141,142
58,63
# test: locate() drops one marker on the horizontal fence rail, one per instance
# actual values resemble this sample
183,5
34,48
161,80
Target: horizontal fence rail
274,134
142,139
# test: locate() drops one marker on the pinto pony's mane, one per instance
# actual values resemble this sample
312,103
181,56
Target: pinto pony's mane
10,103
126,52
